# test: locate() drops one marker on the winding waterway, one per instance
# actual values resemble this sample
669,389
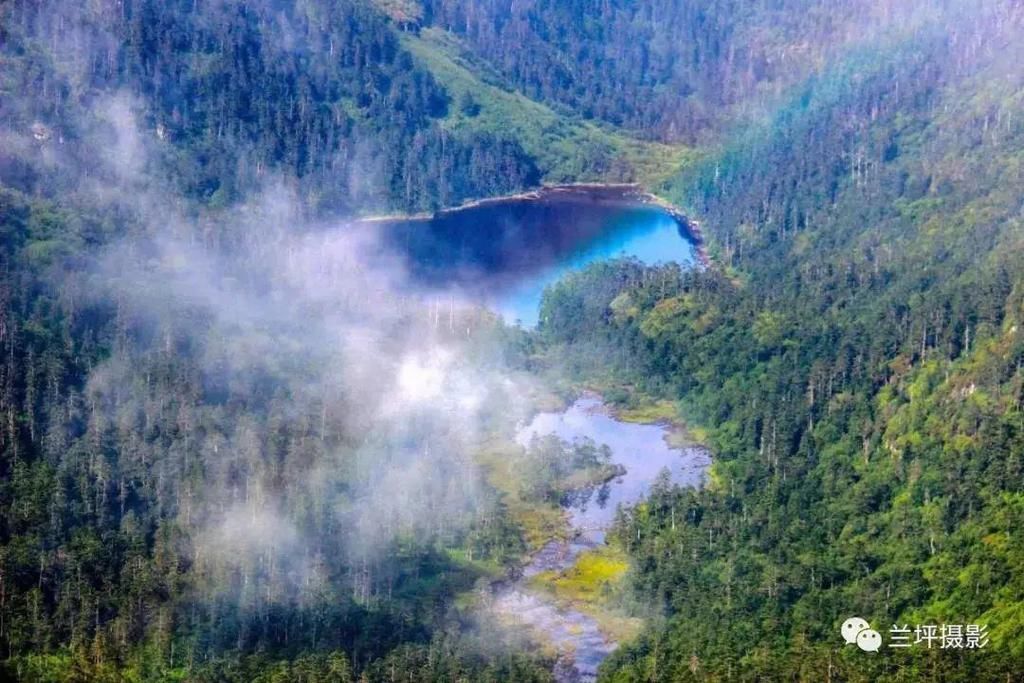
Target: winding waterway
644,452
503,253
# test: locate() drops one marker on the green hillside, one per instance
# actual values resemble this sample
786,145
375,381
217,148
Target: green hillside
565,147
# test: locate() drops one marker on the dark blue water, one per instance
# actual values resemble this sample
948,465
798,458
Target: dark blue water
503,253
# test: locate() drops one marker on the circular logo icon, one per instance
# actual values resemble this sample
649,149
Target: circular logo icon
851,627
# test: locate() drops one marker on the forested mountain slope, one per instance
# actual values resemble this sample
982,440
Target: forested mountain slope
360,113
859,365
667,69
232,93
194,378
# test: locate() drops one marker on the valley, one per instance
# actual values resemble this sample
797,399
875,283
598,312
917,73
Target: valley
287,285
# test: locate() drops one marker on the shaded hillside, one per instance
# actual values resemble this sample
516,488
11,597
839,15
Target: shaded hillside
664,69
234,94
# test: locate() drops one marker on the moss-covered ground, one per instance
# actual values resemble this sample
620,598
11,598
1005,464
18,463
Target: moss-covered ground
595,585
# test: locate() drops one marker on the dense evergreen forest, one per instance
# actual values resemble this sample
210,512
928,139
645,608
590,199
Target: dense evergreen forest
320,92
665,69
226,453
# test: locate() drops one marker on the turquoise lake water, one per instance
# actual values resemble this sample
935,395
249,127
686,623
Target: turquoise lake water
650,235
503,253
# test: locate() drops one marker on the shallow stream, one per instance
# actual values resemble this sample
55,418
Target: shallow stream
642,449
